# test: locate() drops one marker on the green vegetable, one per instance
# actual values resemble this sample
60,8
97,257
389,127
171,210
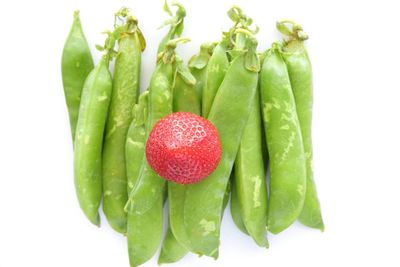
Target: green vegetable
150,185
93,110
198,66
235,209
300,72
144,231
186,99
285,146
136,140
215,73
229,113
250,177
126,86
76,64
172,250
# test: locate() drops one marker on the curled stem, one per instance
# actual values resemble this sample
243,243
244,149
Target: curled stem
176,21
292,30
168,55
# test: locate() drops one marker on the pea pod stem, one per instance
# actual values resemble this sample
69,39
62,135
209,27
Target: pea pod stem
291,29
175,24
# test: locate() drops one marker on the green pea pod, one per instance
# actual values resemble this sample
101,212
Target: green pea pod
186,99
235,209
150,185
145,233
300,72
76,64
226,196
175,24
95,100
171,251
229,113
126,86
198,66
135,141
285,146
215,73
250,177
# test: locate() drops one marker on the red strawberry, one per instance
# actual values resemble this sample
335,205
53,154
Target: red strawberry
184,148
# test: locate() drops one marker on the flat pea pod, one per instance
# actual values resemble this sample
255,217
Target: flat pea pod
76,64
136,141
145,233
150,185
250,177
235,210
285,145
300,73
125,93
198,66
171,251
95,100
215,72
226,196
229,113
186,99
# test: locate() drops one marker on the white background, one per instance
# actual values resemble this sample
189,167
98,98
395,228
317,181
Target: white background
354,47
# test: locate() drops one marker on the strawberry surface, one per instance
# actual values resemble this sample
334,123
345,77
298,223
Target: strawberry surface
184,148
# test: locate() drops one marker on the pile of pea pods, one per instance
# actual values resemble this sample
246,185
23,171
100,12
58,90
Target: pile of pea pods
261,104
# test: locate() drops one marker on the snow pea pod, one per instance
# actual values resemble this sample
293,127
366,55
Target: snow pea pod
285,146
300,72
135,141
229,113
76,64
172,250
250,177
186,99
215,73
95,100
150,185
125,93
218,63
235,210
144,231
198,66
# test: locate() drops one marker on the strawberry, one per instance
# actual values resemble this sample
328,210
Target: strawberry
184,148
